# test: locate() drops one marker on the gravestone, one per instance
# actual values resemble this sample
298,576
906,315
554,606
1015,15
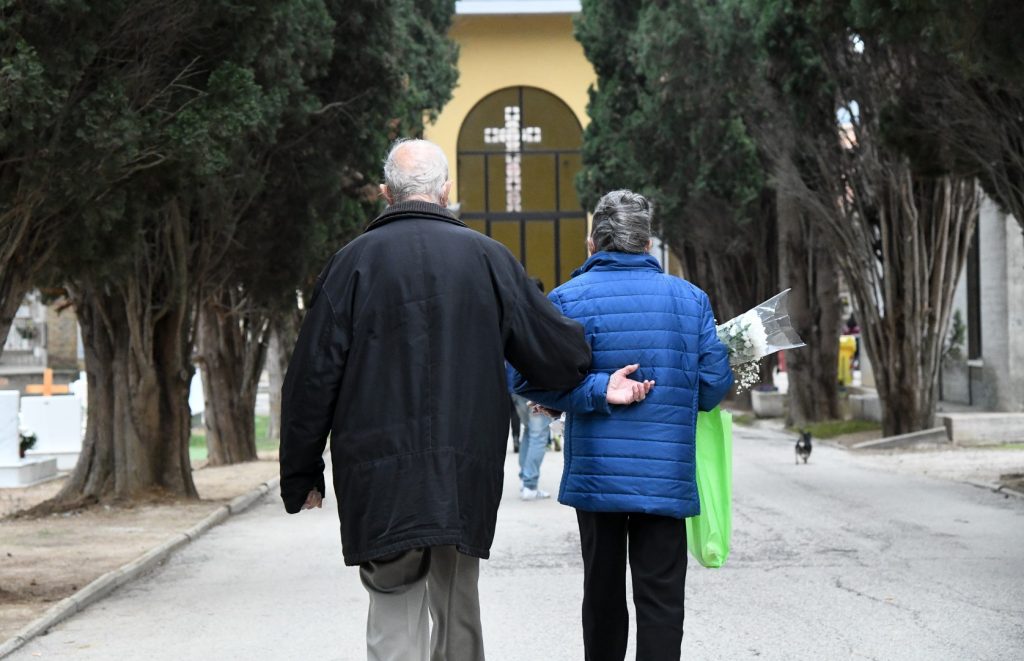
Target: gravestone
57,423
14,471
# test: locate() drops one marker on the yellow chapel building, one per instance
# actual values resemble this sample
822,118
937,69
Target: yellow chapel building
513,130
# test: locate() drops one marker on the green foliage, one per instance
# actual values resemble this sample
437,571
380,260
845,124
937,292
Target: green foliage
609,158
391,66
832,118
961,111
155,153
248,116
698,147
833,428
671,117
979,38
197,450
69,120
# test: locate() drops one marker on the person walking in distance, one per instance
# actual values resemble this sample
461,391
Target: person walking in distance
401,359
533,441
629,471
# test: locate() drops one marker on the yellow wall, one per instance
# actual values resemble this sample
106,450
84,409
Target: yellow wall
505,51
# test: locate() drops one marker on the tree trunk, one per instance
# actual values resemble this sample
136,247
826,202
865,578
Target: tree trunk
898,234
136,440
232,346
810,271
901,242
904,300
136,331
284,331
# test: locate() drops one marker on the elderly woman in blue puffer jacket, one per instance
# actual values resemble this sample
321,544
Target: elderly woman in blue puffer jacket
629,470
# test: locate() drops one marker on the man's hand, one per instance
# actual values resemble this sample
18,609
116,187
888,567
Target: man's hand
624,390
314,499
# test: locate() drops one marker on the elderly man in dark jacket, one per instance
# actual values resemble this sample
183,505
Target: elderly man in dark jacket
401,359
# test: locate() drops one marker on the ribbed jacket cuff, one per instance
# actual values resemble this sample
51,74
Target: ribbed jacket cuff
598,394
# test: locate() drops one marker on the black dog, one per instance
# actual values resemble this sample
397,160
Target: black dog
803,446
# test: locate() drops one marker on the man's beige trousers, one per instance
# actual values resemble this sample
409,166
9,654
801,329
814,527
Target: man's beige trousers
412,588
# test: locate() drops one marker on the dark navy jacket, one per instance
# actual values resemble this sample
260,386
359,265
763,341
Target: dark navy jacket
401,359
637,458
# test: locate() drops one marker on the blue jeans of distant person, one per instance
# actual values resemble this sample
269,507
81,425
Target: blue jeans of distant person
533,443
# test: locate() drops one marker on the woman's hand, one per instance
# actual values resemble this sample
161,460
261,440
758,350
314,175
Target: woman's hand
624,390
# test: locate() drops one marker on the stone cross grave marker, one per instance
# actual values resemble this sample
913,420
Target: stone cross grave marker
46,388
56,422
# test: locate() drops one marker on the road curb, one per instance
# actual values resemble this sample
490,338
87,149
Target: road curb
145,563
933,436
995,487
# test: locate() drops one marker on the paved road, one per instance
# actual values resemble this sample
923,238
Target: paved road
832,560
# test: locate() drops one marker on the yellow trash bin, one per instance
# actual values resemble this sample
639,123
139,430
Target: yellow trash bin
847,349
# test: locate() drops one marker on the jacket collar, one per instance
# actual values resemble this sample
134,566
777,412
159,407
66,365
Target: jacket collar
413,209
619,261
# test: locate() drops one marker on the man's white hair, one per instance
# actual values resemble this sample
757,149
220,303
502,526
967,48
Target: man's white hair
420,169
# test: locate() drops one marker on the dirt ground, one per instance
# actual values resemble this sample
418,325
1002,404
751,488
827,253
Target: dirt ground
982,465
47,559
985,465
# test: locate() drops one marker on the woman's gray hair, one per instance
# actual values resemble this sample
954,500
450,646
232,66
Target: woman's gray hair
415,167
622,222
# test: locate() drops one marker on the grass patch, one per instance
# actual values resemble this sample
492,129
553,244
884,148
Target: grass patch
197,446
262,422
197,442
833,428
1005,446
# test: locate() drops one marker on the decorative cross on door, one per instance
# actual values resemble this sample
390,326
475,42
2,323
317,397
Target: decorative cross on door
513,136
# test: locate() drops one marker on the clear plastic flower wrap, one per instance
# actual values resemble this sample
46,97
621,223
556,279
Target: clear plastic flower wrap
758,332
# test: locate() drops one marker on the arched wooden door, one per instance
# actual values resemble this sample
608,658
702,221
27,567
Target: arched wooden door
518,155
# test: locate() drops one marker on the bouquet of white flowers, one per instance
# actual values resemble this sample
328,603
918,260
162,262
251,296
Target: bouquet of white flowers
757,333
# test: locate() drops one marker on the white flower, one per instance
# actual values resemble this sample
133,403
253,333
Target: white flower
748,339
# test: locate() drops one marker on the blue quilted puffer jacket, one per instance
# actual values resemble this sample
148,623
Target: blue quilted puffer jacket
637,458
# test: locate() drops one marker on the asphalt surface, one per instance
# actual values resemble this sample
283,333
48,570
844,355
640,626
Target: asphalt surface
833,560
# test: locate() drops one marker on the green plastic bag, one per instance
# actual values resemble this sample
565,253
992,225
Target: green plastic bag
708,533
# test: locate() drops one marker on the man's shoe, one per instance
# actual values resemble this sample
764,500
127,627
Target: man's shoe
533,494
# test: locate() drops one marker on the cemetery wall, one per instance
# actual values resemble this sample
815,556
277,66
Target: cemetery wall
995,381
62,339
